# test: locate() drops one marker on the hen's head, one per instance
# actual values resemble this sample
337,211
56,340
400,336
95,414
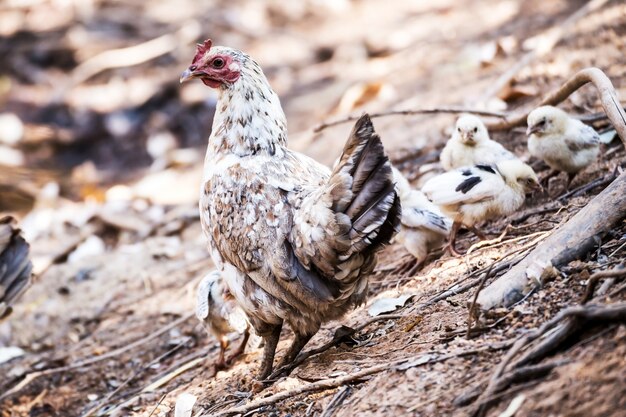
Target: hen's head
546,120
215,66
471,130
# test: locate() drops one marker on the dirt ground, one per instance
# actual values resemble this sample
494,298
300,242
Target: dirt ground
111,164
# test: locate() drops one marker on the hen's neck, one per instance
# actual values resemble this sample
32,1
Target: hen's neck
249,119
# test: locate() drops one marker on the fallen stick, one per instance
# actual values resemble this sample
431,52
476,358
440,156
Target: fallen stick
435,110
572,240
608,98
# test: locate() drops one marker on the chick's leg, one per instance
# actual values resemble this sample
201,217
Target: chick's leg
240,349
271,341
478,233
451,244
221,363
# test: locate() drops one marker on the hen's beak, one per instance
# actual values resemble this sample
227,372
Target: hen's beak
187,75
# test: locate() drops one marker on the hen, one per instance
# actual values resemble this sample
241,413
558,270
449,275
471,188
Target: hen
472,194
423,226
220,315
295,242
470,145
564,143
15,265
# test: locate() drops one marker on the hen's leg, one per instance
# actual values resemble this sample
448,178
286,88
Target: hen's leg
271,341
298,343
241,348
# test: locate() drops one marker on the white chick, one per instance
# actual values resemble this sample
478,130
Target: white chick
470,195
564,143
470,145
423,226
220,314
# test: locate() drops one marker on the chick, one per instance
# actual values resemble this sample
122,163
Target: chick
219,313
470,195
564,143
470,145
423,226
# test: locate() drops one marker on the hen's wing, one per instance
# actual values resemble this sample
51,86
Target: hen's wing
464,185
341,224
15,265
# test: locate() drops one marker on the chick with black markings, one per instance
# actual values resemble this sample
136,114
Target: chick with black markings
473,194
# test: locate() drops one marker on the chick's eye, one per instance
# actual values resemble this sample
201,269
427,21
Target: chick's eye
458,129
217,63
475,129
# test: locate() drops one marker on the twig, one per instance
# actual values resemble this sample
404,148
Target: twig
158,404
545,43
329,383
454,110
470,313
608,98
34,375
618,271
336,401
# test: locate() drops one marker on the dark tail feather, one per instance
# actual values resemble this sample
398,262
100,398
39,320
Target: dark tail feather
15,265
374,209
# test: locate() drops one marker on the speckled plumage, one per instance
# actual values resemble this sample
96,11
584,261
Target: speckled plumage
15,265
295,241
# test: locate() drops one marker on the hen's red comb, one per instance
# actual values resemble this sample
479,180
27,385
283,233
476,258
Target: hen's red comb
202,49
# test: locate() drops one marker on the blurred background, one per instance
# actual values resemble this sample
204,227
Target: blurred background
101,149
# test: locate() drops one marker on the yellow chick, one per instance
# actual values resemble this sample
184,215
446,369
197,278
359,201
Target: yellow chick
219,313
564,143
470,145
423,226
470,195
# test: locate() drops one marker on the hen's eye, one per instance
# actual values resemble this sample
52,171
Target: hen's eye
217,63
193,68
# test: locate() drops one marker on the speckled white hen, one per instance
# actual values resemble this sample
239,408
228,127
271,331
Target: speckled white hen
564,143
423,227
221,315
470,144
470,195
295,242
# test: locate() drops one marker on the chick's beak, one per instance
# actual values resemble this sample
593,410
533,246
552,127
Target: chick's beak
532,129
187,75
